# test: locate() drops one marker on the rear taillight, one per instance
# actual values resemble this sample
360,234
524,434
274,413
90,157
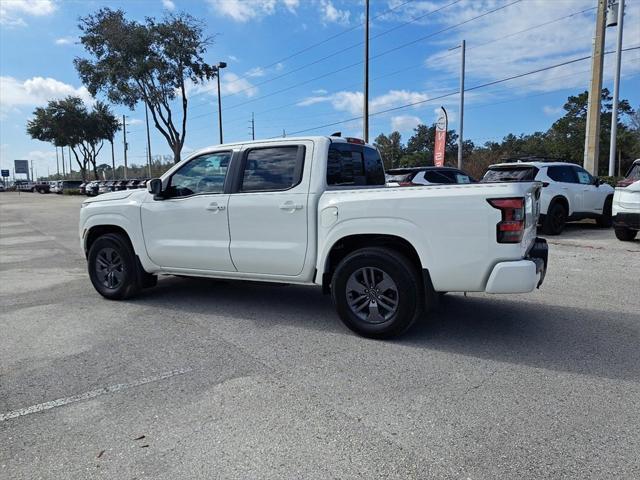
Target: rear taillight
511,228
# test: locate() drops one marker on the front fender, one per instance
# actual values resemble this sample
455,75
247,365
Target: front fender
91,217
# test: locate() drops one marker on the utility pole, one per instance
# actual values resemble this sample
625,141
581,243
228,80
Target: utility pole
284,133
57,163
365,112
124,132
253,127
592,137
461,112
616,92
31,179
146,116
64,174
113,161
70,165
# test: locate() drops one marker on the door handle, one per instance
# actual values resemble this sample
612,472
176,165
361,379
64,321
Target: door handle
214,207
290,206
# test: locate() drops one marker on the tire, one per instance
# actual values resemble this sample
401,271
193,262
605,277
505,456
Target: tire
362,304
113,251
625,234
606,220
555,219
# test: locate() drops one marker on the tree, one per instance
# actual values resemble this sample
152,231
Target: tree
68,122
148,62
391,148
566,136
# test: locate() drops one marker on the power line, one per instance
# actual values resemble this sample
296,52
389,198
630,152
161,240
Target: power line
413,42
487,84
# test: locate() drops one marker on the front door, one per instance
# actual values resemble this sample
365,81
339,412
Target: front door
189,228
592,196
268,211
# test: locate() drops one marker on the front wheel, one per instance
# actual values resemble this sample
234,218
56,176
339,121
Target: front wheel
112,267
377,292
625,234
606,220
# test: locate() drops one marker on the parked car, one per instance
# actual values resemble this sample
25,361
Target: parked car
120,185
569,192
107,186
24,185
316,210
67,185
142,183
2,187
426,176
83,188
131,184
91,188
626,205
42,187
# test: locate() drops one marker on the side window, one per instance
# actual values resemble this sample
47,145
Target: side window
354,165
204,174
272,168
584,177
561,174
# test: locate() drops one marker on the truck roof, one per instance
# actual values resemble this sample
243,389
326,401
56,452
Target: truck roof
332,139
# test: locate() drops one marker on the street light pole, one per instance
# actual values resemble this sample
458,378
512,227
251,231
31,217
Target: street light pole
219,67
365,110
124,133
146,116
616,93
461,112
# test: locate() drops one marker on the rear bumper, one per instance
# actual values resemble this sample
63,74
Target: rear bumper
520,276
627,220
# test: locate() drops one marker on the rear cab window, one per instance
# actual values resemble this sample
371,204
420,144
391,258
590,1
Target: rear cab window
354,165
525,173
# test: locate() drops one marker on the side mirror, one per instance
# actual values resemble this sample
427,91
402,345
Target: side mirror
596,182
154,186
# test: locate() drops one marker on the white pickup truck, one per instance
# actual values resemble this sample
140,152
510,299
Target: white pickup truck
316,210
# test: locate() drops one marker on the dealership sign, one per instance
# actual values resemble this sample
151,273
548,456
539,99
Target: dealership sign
441,138
5,173
21,166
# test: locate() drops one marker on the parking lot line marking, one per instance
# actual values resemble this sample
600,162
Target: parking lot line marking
89,395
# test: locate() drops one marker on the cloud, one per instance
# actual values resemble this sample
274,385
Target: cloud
169,5
245,10
330,14
234,58
404,123
134,121
351,102
513,40
230,84
551,111
11,11
34,92
64,41
255,72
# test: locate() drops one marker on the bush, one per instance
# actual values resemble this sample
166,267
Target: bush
610,180
71,191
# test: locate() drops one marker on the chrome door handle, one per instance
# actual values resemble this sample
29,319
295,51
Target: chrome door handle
214,207
290,206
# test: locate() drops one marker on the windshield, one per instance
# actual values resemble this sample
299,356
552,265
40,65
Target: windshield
634,173
510,174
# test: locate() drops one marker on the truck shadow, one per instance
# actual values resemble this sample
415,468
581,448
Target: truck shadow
575,340
504,329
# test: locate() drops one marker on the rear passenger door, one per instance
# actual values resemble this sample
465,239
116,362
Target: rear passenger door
268,211
567,185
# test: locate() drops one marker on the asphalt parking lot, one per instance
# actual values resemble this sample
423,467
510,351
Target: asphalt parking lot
207,379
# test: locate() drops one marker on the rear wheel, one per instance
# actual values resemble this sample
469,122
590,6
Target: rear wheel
625,234
377,292
605,220
113,269
555,219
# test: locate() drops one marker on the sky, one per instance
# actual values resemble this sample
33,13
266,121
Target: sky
296,65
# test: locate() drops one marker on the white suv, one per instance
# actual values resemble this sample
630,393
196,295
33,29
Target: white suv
626,205
569,193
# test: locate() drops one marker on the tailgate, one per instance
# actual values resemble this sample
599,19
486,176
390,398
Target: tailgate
532,212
